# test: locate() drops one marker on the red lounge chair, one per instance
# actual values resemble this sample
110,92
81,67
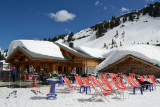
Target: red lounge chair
67,83
107,83
103,94
142,79
93,80
145,76
79,81
127,78
120,82
103,88
134,82
101,78
109,88
115,83
86,81
153,79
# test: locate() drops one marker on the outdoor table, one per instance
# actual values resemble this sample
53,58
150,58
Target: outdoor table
34,81
141,90
52,94
148,85
85,88
61,80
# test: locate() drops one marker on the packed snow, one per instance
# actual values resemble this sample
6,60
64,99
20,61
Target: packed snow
66,98
36,46
141,31
148,53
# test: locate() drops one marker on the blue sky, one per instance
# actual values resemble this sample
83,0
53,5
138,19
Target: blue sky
29,19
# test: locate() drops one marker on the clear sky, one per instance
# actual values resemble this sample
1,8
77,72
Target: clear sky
29,19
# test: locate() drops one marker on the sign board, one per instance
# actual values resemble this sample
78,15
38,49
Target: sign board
1,66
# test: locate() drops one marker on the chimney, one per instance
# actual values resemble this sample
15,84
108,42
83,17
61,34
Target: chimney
71,44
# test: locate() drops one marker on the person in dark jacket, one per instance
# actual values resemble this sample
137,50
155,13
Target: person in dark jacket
13,74
143,83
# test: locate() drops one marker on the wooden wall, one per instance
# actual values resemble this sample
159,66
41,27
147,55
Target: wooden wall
131,65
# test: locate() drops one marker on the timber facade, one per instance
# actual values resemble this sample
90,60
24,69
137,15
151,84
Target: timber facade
131,64
22,58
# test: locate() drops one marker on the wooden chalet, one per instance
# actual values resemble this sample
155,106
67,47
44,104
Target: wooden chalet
132,64
23,58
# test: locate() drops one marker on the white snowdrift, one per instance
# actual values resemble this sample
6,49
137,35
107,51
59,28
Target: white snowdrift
36,46
145,52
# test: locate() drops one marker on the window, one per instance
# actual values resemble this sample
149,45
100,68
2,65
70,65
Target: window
45,68
59,68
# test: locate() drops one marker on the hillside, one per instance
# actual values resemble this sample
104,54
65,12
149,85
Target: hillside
145,30
137,27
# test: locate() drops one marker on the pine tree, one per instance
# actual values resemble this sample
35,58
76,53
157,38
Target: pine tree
116,36
130,17
49,39
44,39
120,43
104,45
70,36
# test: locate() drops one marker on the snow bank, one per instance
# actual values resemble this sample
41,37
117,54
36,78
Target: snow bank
146,52
36,46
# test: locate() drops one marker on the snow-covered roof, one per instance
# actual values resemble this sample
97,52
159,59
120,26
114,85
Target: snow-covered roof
40,47
94,52
147,53
5,65
83,52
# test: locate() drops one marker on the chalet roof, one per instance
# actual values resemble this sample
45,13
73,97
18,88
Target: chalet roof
34,55
75,51
147,53
44,50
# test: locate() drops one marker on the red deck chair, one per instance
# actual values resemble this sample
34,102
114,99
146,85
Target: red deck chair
67,83
153,79
145,76
107,83
102,87
142,79
86,81
101,77
79,81
134,82
115,83
120,82
127,78
93,80
132,76
105,78
103,94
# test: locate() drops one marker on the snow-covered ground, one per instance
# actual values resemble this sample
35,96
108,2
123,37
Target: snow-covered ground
26,98
141,31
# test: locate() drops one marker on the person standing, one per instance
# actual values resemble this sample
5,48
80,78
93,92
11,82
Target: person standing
73,74
14,74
